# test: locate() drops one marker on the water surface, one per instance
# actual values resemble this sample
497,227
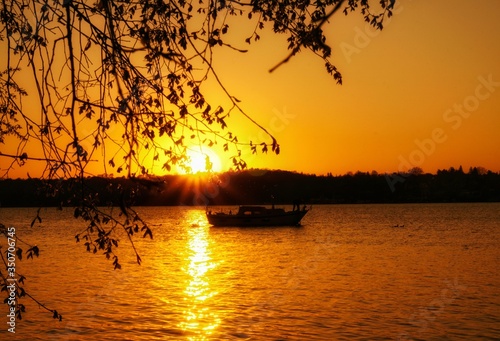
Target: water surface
347,274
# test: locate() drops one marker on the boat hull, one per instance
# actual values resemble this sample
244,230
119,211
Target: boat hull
291,218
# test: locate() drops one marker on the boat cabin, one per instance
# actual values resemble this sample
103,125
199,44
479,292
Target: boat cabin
256,210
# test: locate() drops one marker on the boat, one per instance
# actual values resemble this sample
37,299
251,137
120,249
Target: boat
248,216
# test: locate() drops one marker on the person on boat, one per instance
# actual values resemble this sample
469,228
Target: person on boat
296,204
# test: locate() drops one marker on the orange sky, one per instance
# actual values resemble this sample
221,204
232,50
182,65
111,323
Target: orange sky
423,92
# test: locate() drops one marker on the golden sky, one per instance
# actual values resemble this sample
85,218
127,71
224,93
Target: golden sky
424,92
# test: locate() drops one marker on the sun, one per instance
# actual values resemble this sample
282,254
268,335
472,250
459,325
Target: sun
202,159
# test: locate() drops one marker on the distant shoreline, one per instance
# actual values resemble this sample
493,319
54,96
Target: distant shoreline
258,187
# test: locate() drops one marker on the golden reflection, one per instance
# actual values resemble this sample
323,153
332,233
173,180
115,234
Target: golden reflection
200,318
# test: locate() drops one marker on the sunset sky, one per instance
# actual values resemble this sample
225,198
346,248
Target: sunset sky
424,92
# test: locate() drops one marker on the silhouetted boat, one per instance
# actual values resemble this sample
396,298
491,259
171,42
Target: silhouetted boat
257,216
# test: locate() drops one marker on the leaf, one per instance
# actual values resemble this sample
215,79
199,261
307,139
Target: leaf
36,218
87,46
116,264
147,232
33,250
179,141
19,253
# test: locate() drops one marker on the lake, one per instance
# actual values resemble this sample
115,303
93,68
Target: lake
348,273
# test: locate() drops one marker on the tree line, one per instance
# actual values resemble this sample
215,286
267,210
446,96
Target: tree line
256,186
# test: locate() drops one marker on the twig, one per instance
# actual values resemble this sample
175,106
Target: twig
296,49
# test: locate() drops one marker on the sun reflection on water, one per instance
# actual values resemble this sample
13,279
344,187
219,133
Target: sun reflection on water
200,318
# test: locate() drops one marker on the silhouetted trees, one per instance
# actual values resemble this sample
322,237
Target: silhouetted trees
261,187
